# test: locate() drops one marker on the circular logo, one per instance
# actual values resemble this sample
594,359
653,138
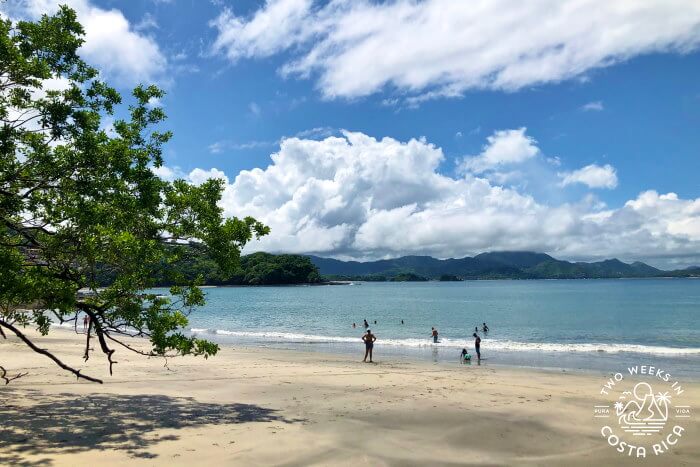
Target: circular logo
643,412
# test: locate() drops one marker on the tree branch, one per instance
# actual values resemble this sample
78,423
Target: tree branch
45,352
89,309
87,341
3,375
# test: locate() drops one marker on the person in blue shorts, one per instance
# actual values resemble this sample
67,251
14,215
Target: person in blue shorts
368,339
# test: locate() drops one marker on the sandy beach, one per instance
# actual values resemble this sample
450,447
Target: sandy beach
250,406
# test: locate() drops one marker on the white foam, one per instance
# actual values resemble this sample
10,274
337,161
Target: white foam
491,344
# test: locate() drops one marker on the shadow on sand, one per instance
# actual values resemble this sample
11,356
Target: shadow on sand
69,424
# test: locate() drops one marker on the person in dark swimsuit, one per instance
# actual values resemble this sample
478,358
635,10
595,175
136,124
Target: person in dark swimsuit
477,346
435,335
368,339
485,328
366,324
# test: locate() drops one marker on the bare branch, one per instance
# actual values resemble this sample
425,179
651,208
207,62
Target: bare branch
3,375
45,352
87,341
90,310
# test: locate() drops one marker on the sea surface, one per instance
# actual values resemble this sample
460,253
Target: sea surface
595,325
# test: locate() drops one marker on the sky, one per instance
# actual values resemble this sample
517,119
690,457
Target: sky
367,129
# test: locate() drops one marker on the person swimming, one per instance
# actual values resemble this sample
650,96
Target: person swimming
485,328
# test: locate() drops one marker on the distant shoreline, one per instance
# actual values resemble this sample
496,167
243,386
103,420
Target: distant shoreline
504,279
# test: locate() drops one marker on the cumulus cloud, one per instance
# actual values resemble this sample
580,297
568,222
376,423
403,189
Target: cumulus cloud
444,47
505,147
355,196
112,44
169,173
276,26
593,176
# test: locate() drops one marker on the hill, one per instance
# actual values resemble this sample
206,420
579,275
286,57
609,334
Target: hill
255,269
491,265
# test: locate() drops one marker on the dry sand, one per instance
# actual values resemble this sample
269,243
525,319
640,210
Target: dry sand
252,407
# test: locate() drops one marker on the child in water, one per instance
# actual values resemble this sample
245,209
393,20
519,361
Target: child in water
465,357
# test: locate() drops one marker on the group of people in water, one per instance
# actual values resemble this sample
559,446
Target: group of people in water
368,338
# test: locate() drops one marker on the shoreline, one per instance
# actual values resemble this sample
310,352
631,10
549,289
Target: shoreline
261,406
350,350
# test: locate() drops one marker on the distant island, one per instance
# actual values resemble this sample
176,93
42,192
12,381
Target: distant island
493,265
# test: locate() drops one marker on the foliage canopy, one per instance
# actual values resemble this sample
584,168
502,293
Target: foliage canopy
77,199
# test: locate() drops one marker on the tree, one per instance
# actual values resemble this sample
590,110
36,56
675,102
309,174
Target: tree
78,201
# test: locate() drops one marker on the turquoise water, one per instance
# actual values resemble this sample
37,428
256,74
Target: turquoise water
586,324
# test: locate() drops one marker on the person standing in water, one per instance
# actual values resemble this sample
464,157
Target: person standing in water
485,328
435,335
477,346
366,324
354,325
368,339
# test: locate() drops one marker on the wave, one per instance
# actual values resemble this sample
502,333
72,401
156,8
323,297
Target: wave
491,344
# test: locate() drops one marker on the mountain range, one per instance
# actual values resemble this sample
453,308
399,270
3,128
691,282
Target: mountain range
492,265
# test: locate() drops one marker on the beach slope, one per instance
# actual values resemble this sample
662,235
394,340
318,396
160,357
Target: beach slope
250,406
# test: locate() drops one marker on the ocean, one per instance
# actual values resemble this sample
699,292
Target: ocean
587,325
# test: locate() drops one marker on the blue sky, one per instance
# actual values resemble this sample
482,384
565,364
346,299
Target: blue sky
615,91
647,128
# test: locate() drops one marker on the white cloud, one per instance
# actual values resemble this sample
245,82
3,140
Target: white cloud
169,173
505,147
112,44
219,147
356,196
199,176
147,22
595,106
444,47
594,176
276,26
317,132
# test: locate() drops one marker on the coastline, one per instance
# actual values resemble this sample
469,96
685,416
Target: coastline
262,406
